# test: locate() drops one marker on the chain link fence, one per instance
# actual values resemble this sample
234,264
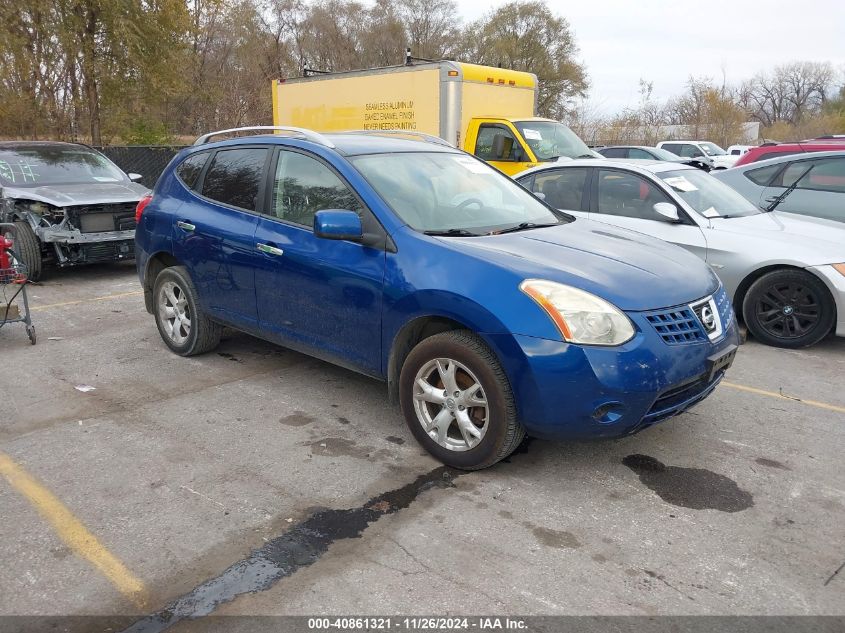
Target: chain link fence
147,160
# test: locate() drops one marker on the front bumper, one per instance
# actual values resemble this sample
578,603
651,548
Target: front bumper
566,391
835,282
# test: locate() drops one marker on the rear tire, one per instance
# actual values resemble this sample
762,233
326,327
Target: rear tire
28,250
182,324
457,401
788,308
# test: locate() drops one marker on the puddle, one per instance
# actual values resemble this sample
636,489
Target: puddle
339,447
282,556
297,418
694,488
554,538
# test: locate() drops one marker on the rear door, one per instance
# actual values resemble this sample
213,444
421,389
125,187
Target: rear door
564,188
214,231
322,296
627,200
820,192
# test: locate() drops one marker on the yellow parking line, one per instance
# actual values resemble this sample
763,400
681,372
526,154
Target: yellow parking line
91,300
780,396
74,534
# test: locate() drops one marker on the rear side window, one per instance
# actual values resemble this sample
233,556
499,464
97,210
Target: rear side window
562,188
189,170
234,177
636,152
763,176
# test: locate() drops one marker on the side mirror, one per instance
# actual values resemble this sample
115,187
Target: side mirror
134,177
539,194
338,224
667,211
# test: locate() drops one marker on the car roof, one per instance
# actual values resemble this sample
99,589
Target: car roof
349,143
792,157
628,147
640,165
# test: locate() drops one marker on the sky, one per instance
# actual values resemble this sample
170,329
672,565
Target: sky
666,41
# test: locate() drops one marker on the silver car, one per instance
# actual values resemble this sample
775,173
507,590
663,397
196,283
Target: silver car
807,184
70,204
785,273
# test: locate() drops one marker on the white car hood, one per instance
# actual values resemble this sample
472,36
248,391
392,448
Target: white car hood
78,195
815,240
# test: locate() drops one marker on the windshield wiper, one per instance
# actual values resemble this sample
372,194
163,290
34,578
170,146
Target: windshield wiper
523,226
776,201
452,233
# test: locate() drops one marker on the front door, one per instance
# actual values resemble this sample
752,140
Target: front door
322,296
627,200
500,145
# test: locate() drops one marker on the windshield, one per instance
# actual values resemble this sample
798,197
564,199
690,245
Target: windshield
712,149
549,140
38,166
441,192
710,197
663,154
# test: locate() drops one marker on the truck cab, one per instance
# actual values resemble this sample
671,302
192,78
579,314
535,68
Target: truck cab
513,145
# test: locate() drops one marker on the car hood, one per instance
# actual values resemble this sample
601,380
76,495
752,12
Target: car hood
77,195
631,270
816,240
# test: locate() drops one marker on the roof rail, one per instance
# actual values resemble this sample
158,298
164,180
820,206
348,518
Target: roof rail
309,135
426,137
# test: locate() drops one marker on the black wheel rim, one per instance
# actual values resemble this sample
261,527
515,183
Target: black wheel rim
788,310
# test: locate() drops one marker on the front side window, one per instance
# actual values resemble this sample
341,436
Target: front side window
496,142
446,191
690,151
562,188
304,185
234,177
627,195
636,152
36,166
825,175
711,149
710,197
189,170
672,147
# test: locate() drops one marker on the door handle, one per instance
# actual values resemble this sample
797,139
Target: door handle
269,250
185,226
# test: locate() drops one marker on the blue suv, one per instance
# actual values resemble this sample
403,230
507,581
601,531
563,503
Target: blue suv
488,313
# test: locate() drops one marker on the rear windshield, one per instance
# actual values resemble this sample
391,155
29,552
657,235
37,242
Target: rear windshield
39,166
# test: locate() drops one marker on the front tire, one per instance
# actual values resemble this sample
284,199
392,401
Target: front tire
788,308
457,401
28,250
182,324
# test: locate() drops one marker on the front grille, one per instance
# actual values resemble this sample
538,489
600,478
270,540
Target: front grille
677,326
103,218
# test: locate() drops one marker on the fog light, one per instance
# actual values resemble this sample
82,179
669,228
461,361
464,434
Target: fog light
609,413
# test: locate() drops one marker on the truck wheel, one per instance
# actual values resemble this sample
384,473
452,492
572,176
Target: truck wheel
788,308
458,402
183,326
28,250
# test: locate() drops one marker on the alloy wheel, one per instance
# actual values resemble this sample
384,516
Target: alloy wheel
174,312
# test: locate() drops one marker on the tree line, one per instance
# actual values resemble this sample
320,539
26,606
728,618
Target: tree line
145,71
151,71
793,101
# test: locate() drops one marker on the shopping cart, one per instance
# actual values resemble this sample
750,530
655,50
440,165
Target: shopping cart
14,306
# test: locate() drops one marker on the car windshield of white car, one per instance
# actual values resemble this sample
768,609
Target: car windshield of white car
712,149
453,194
710,197
39,166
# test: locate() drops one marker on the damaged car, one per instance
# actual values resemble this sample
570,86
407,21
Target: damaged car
71,205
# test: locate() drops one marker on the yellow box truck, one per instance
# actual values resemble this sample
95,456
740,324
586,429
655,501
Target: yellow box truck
486,111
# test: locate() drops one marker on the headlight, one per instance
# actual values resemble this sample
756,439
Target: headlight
580,316
840,268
